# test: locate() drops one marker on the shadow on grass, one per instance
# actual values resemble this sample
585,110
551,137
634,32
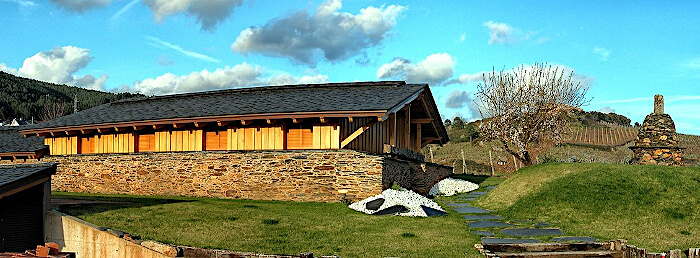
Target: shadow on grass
477,179
85,204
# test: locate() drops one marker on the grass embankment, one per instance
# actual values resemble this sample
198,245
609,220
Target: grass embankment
653,207
275,227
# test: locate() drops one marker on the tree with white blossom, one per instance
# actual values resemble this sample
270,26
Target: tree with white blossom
527,105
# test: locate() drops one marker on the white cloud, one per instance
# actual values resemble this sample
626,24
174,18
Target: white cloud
59,66
459,99
22,3
164,44
7,69
690,67
606,110
242,75
462,37
327,34
124,9
208,13
80,6
434,69
602,52
504,34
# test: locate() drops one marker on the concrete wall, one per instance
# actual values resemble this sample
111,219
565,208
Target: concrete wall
262,175
86,240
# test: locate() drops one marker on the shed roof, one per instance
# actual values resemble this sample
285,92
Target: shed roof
13,177
329,100
12,143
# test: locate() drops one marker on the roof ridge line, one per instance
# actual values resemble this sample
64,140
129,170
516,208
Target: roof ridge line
262,88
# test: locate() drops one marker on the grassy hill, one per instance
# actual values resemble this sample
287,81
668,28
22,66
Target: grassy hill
26,98
654,207
594,138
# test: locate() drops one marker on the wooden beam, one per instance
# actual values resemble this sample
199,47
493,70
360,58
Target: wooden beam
139,128
356,133
86,131
426,142
379,119
296,121
199,124
222,124
418,141
323,120
178,125
69,133
421,120
244,122
350,119
116,129
269,122
156,127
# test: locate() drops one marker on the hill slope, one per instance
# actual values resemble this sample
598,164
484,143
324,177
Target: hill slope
26,98
653,207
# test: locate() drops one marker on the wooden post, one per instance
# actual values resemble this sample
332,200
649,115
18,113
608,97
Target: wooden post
675,253
418,140
431,155
491,160
515,163
392,130
464,164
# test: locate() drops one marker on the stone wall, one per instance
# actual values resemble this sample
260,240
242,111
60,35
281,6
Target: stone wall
262,175
417,176
666,156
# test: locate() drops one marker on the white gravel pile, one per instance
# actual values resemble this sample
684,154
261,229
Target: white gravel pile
406,198
451,186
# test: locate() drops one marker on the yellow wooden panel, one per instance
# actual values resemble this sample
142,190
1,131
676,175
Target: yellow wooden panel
316,137
240,132
198,140
132,141
263,132
233,139
279,138
335,137
258,138
74,145
271,134
249,138
325,136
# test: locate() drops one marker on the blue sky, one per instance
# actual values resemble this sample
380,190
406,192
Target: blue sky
626,50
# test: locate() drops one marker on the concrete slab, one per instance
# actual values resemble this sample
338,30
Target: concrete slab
483,217
471,210
530,232
457,204
490,224
493,240
574,239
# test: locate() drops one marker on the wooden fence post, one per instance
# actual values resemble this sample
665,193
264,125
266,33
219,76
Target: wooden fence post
515,163
675,253
491,160
464,164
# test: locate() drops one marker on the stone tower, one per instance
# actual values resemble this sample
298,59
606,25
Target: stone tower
657,141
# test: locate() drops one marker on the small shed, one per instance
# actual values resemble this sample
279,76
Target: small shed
25,195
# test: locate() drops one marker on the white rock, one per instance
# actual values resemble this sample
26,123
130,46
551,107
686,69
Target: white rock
451,186
407,198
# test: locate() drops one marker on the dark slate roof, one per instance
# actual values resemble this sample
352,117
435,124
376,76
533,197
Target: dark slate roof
360,96
13,176
11,141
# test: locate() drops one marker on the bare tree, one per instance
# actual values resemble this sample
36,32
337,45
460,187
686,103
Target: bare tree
527,105
52,110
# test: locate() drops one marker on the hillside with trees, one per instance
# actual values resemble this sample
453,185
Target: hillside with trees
28,98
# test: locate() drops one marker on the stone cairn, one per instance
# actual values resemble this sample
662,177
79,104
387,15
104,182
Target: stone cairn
657,141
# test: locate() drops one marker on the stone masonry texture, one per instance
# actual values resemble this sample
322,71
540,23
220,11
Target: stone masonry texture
314,175
657,141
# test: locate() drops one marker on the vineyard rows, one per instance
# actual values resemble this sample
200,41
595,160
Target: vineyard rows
602,136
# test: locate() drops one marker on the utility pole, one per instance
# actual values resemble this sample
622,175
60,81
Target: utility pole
75,103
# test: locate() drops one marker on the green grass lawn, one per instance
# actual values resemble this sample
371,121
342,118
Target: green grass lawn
274,227
652,207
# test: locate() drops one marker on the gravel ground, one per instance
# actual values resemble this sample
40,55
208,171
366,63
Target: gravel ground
406,198
451,186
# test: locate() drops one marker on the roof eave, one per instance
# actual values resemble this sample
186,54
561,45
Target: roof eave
210,119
